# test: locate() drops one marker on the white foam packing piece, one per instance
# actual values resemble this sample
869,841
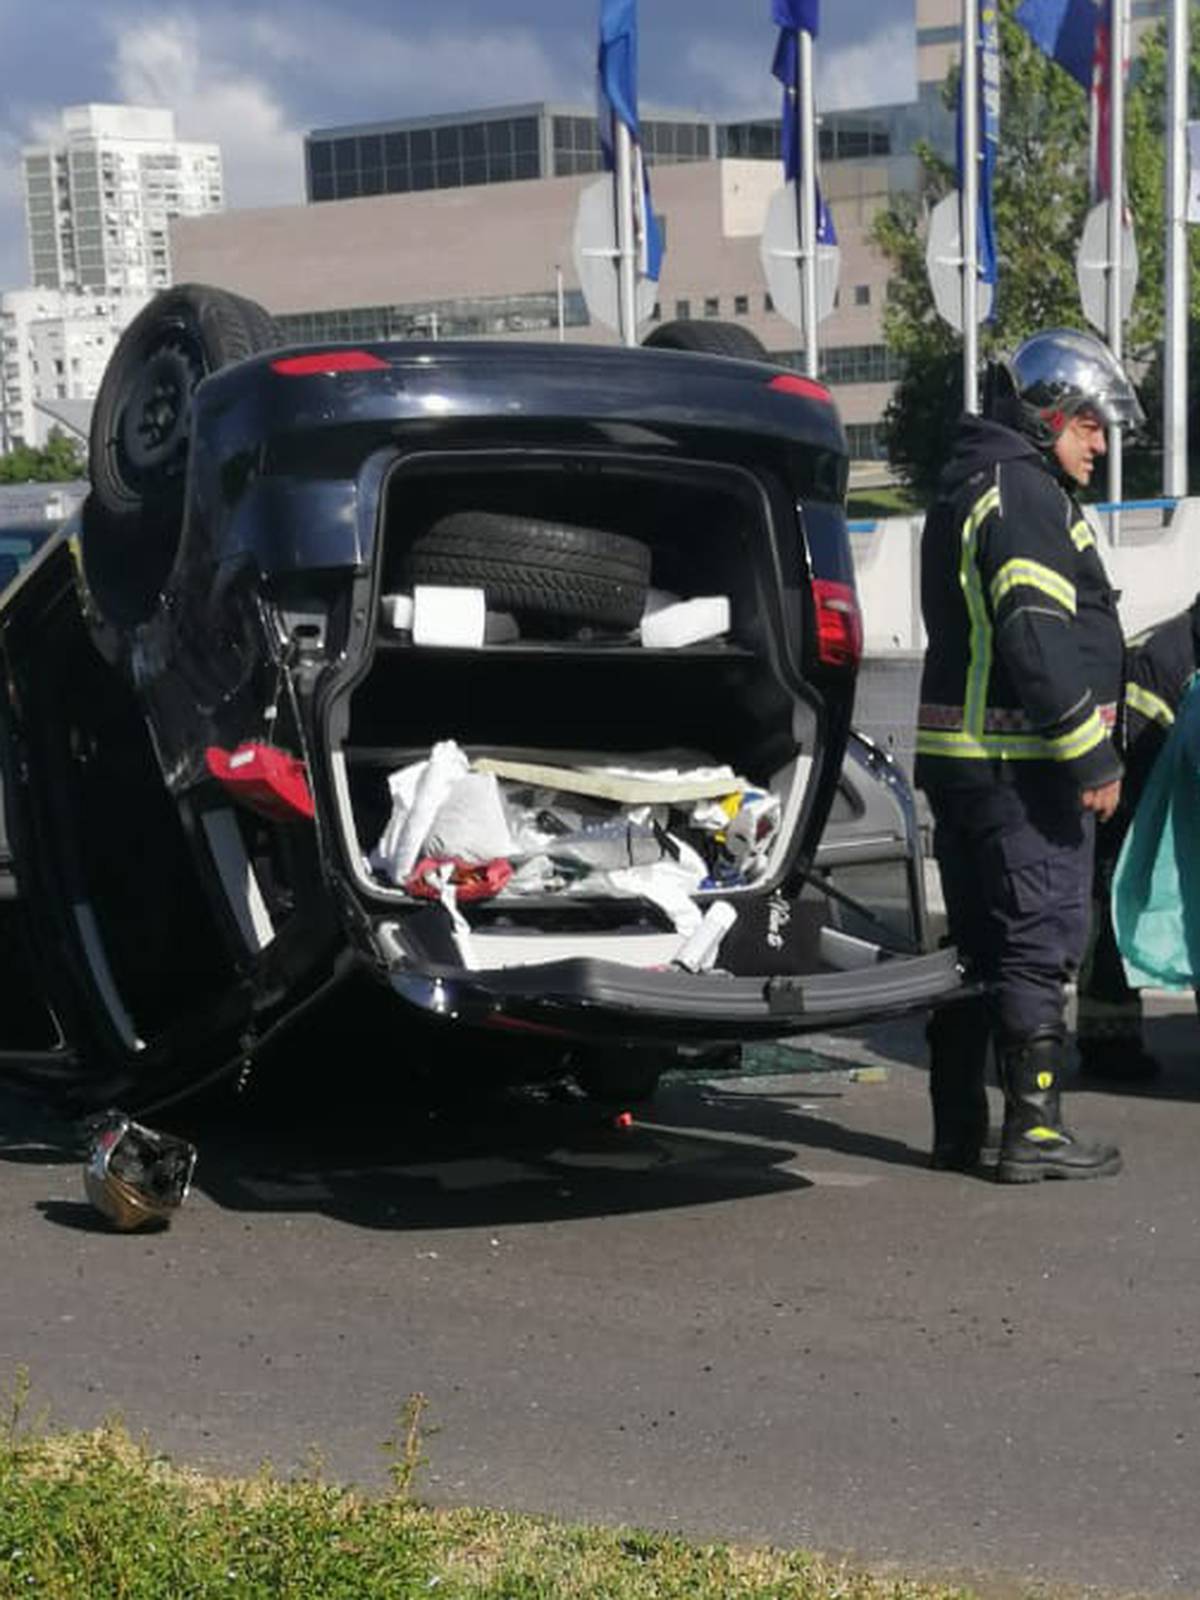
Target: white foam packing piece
448,617
705,617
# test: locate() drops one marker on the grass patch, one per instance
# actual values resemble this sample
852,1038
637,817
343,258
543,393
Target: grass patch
883,502
98,1516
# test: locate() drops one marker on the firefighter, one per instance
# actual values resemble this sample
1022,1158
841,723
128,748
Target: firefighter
1159,666
1021,680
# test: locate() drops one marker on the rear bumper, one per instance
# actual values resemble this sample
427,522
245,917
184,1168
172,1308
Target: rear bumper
585,999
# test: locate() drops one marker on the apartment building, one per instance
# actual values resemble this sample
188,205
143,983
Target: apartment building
100,195
54,345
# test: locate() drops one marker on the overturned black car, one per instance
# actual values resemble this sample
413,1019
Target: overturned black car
502,689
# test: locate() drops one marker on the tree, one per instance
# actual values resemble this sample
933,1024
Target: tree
60,462
1040,201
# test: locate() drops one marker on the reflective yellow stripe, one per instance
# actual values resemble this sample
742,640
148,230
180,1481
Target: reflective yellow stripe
1148,704
1020,573
1012,746
987,747
1041,1135
972,742
979,664
1081,536
1069,746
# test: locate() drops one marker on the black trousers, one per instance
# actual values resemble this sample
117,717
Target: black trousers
1016,861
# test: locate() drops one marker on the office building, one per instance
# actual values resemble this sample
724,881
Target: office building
391,246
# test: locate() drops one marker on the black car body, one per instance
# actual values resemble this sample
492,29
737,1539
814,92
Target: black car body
173,930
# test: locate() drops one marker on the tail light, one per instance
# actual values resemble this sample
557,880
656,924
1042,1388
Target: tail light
793,383
839,623
328,361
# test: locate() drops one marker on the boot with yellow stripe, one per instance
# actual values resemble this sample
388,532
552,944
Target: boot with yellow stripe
1034,1143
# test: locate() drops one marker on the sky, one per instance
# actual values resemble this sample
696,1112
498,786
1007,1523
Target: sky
254,77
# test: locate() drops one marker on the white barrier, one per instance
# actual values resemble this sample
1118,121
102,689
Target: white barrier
1154,563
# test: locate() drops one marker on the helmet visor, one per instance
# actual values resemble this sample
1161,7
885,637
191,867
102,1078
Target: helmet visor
1118,408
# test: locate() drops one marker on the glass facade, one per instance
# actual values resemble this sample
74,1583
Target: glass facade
538,142
850,363
841,136
437,319
401,160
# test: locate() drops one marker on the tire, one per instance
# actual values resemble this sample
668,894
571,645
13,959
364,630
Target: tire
138,444
711,338
548,570
141,430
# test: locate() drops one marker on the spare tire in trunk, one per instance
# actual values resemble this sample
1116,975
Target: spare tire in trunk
548,570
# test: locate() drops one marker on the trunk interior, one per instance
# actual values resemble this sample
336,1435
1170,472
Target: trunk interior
587,697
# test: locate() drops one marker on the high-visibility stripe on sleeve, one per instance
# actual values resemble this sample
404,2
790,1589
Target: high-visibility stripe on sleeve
1082,537
1150,705
1090,733
1079,742
1021,573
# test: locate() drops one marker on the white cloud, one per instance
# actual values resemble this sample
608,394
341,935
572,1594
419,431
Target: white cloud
405,70
256,81
736,81
174,62
881,70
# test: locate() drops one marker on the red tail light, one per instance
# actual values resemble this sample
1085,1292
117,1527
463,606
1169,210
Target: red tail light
839,623
328,361
792,383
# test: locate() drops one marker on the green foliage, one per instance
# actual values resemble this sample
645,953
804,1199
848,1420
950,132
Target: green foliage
1040,202
60,462
96,1516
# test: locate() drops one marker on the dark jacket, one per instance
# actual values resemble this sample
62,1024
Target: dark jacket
1159,665
1024,660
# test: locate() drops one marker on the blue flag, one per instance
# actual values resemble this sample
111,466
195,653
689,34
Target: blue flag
989,139
988,54
1065,30
617,86
785,67
797,14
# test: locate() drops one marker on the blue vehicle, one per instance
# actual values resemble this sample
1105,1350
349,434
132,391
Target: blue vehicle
224,675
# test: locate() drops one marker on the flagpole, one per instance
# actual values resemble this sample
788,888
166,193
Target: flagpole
1116,221
626,255
969,202
1175,440
806,195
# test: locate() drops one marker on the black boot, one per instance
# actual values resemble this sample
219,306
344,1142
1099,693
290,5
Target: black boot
1034,1143
958,1042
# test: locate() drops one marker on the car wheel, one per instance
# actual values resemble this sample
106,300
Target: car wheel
532,568
624,1077
141,430
710,338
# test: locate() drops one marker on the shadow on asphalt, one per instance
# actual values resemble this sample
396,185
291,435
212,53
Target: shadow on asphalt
786,1115
516,1156
383,1155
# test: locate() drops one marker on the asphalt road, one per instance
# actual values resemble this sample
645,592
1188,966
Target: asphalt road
753,1316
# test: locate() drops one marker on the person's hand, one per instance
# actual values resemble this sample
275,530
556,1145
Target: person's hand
1104,800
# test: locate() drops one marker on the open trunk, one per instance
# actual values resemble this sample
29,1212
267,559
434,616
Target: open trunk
591,699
